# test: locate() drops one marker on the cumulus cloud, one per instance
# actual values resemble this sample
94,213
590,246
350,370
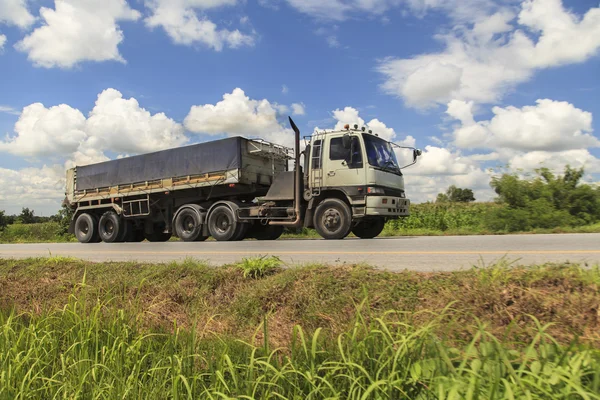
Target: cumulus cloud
43,187
238,114
115,124
15,12
298,109
2,41
121,125
76,31
547,126
485,59
186,23
350,116
556,161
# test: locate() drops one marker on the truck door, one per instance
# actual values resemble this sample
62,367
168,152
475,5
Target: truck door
339,169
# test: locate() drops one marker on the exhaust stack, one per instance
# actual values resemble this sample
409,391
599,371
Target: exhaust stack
297,182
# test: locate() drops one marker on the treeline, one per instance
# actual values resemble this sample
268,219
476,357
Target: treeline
28,217
543,202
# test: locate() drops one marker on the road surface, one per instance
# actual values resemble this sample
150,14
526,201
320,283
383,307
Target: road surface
415,253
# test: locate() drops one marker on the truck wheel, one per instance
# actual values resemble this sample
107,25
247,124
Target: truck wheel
266,232
86,229
241,232
110,227
188,225
223,226
369,228
333,219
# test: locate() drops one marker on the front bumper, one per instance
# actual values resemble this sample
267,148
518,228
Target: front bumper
387,206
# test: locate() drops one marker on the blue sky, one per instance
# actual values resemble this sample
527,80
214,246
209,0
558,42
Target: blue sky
476,84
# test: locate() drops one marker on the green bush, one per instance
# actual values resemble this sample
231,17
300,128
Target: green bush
544,201
44,232
444,216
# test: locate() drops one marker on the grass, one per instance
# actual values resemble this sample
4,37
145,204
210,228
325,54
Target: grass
186,330
47,232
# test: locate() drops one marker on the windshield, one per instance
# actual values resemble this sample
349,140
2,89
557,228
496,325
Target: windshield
380,153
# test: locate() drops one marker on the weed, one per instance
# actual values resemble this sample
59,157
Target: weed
259,267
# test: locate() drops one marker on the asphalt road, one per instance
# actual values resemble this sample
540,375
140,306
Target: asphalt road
416,253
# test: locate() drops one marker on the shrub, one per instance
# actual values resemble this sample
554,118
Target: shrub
259,267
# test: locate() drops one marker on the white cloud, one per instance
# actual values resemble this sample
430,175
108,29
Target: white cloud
41,131
339,10
9,110
556,161
349,115
121,125
115,124
2,41
548,126
484,60
285,89
186,23
237,114
76,31
15,12
298,109
39,188
332,41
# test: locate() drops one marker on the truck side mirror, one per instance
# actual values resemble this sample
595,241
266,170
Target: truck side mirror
416,153
346,141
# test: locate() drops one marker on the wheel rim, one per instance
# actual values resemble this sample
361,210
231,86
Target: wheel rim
222,223
84,228
109,228
189,225
332,220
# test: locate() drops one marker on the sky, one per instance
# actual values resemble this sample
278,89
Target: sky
482,87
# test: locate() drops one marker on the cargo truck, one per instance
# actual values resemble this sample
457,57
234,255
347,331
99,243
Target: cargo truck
237,188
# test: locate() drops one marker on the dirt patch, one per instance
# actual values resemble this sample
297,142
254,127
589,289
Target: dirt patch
511,302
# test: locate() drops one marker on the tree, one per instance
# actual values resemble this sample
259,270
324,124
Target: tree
3,220
456,195
63,217
26,216
544,201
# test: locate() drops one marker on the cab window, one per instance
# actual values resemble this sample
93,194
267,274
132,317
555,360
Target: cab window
338,152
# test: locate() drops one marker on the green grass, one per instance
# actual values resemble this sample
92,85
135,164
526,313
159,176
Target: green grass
72,329
47,232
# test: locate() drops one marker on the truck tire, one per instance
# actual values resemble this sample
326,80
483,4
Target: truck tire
333,219
369,228
223,226
110,227
188,225
266,232
241,233
86,228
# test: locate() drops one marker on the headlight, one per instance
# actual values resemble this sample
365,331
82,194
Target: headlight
375,190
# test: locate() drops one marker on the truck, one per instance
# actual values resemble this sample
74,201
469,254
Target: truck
237,188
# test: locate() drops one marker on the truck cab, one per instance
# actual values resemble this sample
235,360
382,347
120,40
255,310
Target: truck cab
359,168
